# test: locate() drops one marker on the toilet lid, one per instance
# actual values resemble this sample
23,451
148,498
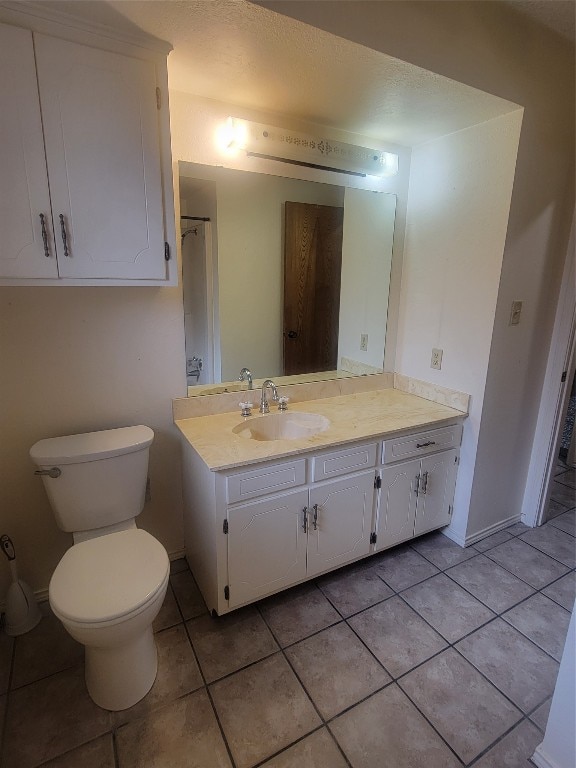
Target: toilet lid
109,576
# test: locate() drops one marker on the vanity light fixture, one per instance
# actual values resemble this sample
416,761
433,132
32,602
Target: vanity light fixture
271,143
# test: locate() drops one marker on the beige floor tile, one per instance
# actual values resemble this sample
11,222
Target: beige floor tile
387,731
315,751
46,649
177,566
553,509
447,607
563,591
465,709
567,477
230,642
336,669
563,494
298,613
554,542
169,614
353,589
263,709
542,621
184,734
441,550
527,563
398,637
566,522
178,673
518,529
6,651
540,715
50,717
96,754
492,541
490,583
187,594
514,750
402,567
512,663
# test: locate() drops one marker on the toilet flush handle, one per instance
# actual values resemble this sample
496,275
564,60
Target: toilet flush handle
54,472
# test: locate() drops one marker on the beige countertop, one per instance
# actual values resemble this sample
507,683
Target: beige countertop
353,417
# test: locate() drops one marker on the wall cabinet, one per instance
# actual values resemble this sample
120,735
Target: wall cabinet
255,531
80,161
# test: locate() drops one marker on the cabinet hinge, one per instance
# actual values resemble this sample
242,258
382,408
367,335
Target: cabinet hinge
563,377
450,509
373,538
226,592
456,459
225,526
377,482
166,251
158,98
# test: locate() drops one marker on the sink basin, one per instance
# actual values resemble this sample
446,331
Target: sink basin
282,426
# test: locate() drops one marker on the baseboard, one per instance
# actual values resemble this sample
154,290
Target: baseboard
466,541
541,761
178,555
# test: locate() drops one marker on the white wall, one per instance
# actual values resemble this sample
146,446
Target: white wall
458,203
82,359
490,46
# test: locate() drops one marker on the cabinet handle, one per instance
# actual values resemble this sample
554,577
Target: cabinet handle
424,483
64,236
315,518
305,519
425,445
417,484
44,235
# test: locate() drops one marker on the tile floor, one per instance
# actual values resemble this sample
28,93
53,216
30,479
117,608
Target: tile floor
425,656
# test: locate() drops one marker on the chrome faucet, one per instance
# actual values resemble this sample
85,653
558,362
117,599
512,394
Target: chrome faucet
246,375
264,407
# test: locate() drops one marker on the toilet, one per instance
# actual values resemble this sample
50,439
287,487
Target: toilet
109,586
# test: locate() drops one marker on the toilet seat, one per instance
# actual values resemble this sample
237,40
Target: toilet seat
109,577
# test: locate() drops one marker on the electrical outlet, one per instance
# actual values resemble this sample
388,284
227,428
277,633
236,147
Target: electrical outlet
436,361
364,342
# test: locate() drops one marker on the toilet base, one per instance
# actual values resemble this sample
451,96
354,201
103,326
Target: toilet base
118,677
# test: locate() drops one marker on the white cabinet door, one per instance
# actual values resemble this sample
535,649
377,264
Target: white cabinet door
102,148
339,522
24,194
266,546
437,483
398,499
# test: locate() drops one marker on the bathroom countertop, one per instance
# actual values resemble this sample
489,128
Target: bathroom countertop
353,417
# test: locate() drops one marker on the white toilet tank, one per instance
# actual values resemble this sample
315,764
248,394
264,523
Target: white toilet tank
102,478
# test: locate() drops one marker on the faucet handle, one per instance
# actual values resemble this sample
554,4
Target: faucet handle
283,403
246,409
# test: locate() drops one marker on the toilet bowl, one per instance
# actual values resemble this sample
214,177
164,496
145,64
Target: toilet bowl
107,591
110,585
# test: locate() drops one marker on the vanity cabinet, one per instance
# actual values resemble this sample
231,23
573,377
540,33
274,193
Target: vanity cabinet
285,538
415,496
83,199
254,531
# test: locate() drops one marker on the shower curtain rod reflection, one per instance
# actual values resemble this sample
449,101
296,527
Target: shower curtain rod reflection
192,230
196,218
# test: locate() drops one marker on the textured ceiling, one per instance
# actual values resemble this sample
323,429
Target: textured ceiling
557,15
240,53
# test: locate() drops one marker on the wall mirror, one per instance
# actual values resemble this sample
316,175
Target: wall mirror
283,276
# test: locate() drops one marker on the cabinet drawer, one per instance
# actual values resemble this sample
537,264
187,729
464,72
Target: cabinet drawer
272,479
344,461
421,443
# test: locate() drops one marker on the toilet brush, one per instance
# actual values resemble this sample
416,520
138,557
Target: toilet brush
22,612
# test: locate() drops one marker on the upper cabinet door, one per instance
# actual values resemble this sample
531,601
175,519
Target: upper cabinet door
24,195
102,148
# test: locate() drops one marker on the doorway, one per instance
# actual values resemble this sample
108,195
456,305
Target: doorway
312,269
